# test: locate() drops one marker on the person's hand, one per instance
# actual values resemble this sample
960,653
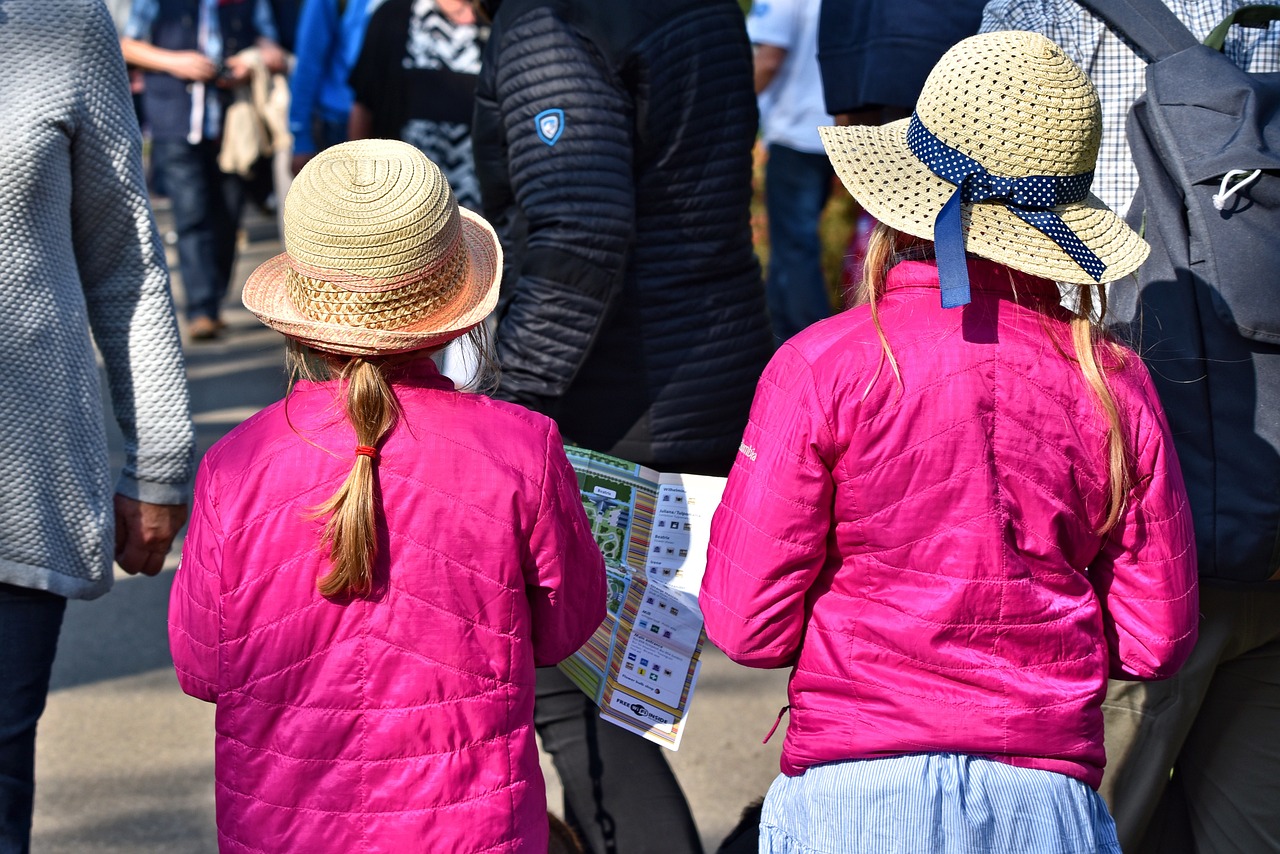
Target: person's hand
144,533
273,56
300,160
192,65
236,72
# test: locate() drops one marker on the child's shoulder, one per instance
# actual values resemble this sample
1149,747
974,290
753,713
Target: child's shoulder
849,334
1129,381
475,430
499,419
514,419
832,356
505,433
1127,373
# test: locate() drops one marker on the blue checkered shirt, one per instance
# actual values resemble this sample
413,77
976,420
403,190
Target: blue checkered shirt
1118,71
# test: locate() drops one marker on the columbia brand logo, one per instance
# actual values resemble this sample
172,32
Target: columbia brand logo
747,451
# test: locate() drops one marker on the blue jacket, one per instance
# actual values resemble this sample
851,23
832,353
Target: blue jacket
328,44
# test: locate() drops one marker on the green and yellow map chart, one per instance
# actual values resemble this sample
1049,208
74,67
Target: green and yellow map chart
641,665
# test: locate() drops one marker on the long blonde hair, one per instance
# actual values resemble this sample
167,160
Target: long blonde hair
354,512
1089,340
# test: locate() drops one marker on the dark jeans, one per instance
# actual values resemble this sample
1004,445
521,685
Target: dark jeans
29,624
620,795
206,214
796,188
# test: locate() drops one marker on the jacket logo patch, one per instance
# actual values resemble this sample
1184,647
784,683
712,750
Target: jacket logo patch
550,125
747,451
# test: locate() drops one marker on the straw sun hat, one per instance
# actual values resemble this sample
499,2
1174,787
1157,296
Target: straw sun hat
998,106
379,258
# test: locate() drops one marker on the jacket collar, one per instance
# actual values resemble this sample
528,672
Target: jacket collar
985,277
420,373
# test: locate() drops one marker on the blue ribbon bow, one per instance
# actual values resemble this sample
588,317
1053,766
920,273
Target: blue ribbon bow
1030,198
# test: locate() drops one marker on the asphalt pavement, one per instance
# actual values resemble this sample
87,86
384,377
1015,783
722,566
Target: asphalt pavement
125,760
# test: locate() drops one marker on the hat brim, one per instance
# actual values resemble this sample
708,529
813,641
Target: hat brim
878,169
266,295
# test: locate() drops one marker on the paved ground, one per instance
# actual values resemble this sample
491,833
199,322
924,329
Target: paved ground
125,760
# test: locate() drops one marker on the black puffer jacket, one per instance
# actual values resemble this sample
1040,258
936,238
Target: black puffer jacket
613,144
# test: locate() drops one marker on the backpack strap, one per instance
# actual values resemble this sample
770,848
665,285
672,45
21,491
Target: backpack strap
1148,25
1246,16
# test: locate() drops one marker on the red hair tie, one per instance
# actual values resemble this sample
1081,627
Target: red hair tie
366,451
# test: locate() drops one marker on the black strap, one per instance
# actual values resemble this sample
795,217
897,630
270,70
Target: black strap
1148,25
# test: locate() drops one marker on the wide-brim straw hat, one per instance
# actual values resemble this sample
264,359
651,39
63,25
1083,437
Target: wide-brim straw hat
379,258
1014,102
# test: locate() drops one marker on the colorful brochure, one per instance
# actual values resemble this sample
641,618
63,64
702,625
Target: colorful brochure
641,665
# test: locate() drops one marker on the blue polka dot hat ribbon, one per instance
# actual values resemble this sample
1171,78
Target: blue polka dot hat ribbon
1030,198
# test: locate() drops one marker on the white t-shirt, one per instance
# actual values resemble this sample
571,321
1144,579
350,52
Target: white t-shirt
791,107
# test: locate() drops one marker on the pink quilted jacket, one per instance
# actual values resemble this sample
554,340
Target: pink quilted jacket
402,723
924,553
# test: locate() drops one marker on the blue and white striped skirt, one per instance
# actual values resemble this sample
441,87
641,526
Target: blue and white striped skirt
933,803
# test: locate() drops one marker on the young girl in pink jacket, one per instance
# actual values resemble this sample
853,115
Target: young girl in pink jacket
376,563
956,510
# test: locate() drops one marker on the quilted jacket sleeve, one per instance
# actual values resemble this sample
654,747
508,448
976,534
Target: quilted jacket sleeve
1145,575
566,583
568,133
194,604
768,537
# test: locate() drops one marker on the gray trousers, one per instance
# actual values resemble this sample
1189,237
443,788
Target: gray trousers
1193,762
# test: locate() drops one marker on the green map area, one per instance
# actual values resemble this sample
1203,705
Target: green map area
608,505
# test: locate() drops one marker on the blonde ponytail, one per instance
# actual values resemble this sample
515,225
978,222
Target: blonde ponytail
351,531
354,512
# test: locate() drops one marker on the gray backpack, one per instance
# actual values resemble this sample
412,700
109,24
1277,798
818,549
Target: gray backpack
1204,311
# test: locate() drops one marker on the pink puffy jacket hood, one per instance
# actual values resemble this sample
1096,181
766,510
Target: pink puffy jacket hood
924,553
403,722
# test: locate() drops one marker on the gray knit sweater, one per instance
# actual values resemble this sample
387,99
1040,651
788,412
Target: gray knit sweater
78,252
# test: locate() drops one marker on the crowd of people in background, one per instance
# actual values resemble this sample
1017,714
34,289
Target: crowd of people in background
954,509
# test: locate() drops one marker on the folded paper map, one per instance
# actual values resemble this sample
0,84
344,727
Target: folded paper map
641,665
